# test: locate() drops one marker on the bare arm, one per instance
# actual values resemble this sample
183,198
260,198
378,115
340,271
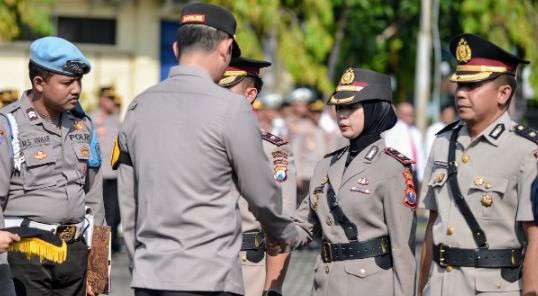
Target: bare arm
426,254
276,266
530,264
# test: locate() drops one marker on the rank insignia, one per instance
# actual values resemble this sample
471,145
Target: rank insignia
78,125
497,131
410,195
371,153
399,156
463,52
280,165
40,155
348,77
84,151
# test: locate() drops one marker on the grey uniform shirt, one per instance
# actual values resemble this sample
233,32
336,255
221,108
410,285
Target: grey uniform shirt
498,166
55,183
189,141
370,192
107,126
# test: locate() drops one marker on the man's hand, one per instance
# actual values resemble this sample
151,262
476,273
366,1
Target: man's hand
274,248
6,239
530,263
89,290
426,254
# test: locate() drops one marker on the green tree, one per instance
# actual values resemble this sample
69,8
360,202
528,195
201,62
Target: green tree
17,15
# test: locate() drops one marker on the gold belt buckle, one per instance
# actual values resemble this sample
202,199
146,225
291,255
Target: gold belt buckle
442,259
258,240
326,253
67,232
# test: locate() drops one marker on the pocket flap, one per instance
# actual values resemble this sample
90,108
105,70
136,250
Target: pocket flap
489,184
490,280
362,267
40,155
438,178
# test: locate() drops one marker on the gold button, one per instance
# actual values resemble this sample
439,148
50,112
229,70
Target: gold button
487,200
450,230
498,285
329,221
324,180
439,178
488,185
243,256
478,180
326,268
465,158
449,268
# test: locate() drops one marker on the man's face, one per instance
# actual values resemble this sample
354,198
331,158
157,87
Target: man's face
476,101
60,92
406,113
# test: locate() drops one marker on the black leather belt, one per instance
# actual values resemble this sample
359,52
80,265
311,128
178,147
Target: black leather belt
252,240
355,250
482,258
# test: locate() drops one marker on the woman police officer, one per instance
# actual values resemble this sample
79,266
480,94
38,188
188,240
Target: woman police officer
362,198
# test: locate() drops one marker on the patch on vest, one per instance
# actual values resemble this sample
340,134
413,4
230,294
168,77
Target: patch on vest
410,194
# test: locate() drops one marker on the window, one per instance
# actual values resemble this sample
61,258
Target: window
87,30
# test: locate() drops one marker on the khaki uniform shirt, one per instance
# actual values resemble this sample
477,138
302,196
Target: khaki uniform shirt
309,146
495,173
190,142
55,183
371,193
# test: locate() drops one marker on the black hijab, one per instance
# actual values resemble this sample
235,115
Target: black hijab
379,116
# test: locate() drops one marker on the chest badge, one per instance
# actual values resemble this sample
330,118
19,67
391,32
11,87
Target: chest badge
40,155
363,181
78,125
487,200
84,151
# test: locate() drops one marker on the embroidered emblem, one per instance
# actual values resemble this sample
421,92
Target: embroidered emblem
32,115
85,151
410,195
363,181
280,163
40,155
463,52
348,77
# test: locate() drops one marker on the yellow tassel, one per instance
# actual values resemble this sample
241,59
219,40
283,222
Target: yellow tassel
44,250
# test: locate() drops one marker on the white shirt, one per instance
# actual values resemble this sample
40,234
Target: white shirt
433,129
407,139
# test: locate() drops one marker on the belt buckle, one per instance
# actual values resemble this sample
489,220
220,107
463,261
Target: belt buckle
66,232
383,245
326,254
513,259
258,240
442,259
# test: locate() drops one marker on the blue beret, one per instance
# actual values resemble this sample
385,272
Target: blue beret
59,56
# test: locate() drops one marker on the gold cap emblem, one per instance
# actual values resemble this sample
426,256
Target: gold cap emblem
463,51
348,77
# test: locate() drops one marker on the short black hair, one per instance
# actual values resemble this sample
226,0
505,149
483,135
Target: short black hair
36,70
510,80
447,106
251,81
199,37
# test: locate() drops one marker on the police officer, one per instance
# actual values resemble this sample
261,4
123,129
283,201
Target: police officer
480,233
362,198
50,177
242,77
185,143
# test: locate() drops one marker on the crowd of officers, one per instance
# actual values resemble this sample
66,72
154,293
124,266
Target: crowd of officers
212,201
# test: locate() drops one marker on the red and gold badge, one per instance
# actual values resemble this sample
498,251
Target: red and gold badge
410,195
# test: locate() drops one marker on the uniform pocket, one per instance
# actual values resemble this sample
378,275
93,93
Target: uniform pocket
490,280
39,171
362,268
487,192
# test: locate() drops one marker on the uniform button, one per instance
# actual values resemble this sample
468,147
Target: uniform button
488,185
448,268
362,272
243,257
498,285
439,178
450,230
326,268
329,221
465,158
324,180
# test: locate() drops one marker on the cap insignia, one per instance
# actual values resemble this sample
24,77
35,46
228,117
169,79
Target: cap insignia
193,18
463,51
348,77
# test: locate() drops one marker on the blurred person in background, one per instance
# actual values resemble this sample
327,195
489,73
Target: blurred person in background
8,96
307,139
407,138
269,117
107,123
448,115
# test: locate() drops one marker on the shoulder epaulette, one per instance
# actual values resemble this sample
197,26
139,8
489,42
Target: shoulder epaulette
11,107
273,139
448,127
526,132
399,156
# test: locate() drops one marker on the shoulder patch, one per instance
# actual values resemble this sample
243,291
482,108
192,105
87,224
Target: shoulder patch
526,132
448,127
399,156
273,139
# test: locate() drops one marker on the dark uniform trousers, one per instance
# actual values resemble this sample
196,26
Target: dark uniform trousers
147,292
112,210
34,278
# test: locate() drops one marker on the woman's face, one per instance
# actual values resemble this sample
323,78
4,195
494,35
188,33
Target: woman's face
350,120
